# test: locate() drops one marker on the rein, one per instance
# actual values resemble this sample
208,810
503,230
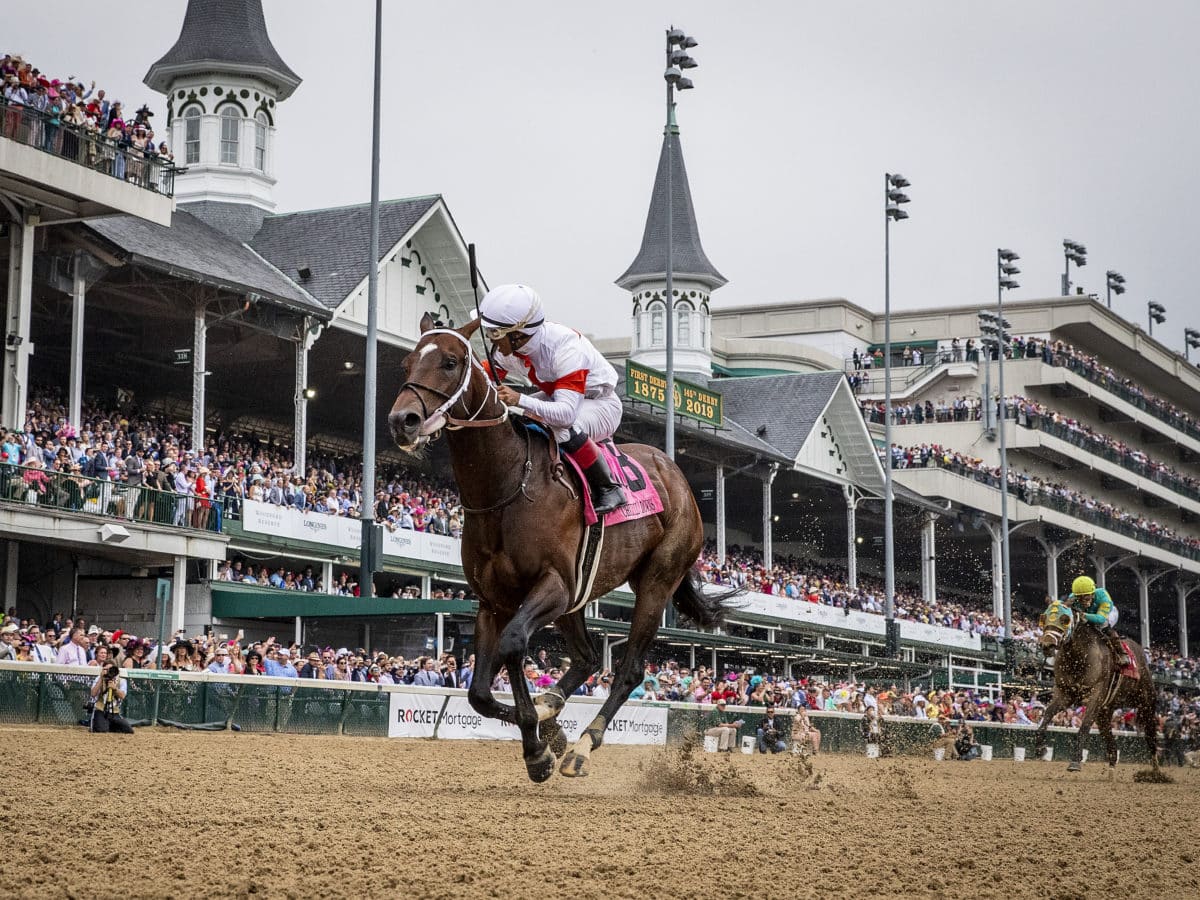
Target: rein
472,420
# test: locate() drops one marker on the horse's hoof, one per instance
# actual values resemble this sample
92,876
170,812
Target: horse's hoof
1075,765
552,734
574,765
541,767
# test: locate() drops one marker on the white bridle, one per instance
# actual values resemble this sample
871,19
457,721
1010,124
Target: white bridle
440,417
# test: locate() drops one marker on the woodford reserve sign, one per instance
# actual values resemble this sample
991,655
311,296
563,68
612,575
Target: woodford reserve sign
650,386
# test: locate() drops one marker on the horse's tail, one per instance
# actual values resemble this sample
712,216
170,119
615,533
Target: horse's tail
705,608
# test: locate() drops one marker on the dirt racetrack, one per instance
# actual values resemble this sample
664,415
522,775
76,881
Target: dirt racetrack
169,813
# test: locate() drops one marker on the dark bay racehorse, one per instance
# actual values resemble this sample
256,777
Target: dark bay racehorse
521,538
1086,673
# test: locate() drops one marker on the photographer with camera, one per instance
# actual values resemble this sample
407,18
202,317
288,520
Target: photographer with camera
108,693
770,732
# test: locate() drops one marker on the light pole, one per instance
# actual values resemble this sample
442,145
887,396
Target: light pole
368,554
1073,252
1191,340
678,44
1116,285
1157,313
990,329
893,198
1004,282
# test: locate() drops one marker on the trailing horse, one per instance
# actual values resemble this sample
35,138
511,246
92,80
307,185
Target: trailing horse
1086,673
520,541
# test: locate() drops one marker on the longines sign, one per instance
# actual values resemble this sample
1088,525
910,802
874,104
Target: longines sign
650,386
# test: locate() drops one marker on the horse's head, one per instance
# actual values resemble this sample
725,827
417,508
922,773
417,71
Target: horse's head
441,374
1056,623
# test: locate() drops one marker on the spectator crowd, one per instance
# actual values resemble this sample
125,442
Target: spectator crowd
1033,489
65,117
827,585
118,459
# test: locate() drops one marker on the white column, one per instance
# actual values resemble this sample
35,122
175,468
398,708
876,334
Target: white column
720,492
997,569
1100,564
327,575
1181,595
426,587
300,409
1052,552
367,636
199,367
851,536
929,558
768,524
10,574
1143,581
78,301
17,346
299,636
178,592
441,634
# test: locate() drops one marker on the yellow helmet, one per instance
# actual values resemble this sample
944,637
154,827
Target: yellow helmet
1083,585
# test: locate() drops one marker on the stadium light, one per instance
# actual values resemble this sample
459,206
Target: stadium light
1191,340
1073,252
1005,270
677,58
1157,313
1116,285
893,199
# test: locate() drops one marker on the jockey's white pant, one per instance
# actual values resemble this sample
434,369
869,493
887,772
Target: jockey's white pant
597,417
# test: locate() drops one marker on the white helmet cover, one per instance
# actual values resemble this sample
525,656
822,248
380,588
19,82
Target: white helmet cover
509,308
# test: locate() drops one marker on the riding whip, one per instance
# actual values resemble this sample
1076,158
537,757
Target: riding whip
488,348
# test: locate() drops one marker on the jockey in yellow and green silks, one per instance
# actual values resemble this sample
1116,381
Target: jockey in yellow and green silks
1096,606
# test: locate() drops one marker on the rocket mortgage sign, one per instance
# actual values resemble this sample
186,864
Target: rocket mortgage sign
650,386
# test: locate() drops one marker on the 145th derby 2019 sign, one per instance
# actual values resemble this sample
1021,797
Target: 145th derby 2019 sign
650,386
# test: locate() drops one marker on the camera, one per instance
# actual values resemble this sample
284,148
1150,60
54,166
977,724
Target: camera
112,673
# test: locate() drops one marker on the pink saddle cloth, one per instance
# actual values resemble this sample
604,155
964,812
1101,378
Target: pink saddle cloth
1130,670
640,493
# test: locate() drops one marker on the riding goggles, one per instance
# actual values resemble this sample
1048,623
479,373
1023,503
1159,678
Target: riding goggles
497,330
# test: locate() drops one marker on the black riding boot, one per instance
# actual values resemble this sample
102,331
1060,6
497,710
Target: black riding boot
607,495
1117,648
606,492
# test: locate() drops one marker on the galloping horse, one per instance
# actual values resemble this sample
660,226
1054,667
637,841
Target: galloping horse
521,538
1085,673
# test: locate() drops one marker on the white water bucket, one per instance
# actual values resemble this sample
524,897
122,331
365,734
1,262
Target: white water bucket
711,743
939,754
1018,754
1048,754
748,744
872,751
985,752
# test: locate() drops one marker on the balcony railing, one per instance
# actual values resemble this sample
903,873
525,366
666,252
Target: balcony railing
26,125
1075,509
1171,480
70,492
1115,385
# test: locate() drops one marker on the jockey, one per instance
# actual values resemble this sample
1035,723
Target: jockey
576,395
1095,605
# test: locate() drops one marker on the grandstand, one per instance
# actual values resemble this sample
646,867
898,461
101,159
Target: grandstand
226,340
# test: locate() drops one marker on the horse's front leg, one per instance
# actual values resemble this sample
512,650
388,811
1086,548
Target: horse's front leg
584,660
545,603
1052,709
487,663
1089,716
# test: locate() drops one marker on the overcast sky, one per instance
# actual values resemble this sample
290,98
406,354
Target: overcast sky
1018,123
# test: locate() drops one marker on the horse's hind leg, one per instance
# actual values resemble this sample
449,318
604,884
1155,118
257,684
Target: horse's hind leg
583,663
647,613
1104,723
1147,717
